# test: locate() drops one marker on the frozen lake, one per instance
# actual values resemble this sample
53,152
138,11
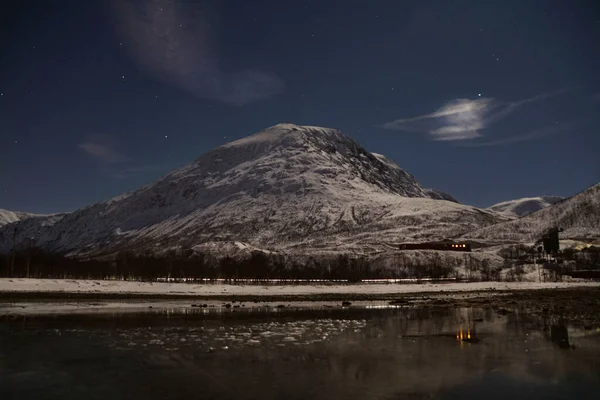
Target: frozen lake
351,353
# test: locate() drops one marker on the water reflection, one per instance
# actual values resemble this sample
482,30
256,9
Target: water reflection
318,354
560,336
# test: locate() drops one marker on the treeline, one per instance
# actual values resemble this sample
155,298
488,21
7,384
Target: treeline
584,258
188,265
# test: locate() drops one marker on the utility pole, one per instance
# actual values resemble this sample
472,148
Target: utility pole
14,250
29,246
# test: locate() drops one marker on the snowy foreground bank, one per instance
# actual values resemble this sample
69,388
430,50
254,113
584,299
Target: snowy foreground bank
174,290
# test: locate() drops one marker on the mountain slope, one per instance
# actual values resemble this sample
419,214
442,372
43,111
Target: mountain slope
439,195
578,215
7,217
525,206
283,188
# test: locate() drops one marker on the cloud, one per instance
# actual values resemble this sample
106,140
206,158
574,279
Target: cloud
101,149
173,42
112,162
463,119
546,131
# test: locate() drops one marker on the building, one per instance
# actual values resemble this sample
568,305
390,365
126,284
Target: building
446,245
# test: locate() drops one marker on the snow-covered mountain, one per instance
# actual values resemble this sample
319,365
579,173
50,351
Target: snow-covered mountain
525,206
578,216
288,187
7,217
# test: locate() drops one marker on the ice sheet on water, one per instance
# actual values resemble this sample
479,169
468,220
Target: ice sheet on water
235,336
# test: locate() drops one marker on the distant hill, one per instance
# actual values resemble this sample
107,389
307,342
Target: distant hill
578,215
525,206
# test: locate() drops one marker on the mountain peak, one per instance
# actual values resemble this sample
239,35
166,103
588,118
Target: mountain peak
277,133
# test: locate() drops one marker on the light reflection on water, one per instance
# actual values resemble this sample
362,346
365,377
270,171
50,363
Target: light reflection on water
317,354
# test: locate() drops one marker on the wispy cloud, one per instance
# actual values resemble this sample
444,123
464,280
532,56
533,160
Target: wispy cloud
102,149
113,162
463,119
173,41
545,131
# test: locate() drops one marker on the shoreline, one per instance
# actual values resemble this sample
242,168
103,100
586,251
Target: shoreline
576,301
56,289
576,305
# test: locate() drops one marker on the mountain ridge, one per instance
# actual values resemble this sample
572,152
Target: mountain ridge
8,217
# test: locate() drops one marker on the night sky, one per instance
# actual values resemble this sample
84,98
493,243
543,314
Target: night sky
487,100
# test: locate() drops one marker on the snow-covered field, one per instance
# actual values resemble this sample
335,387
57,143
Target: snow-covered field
207,290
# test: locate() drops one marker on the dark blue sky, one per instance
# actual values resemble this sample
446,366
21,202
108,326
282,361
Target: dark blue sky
487,100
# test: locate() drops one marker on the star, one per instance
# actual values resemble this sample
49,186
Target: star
123,77
166,136
392,89
1,94
479,95
17,142
120,43
156,96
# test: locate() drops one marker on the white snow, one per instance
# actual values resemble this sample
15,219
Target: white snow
207,290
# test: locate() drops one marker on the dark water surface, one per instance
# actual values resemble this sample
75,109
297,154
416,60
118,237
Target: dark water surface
311,354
